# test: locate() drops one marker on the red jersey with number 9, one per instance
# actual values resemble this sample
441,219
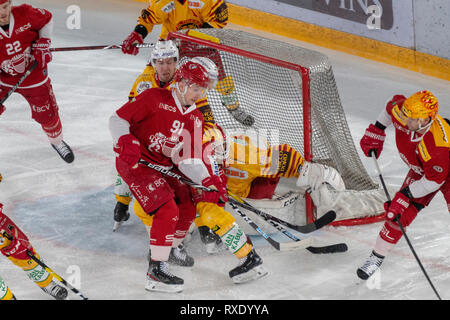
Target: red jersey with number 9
15,46
167,131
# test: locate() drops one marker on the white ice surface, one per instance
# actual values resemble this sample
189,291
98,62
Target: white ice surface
66,210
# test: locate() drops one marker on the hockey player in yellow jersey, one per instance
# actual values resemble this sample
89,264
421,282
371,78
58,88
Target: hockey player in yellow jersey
253,169
14,245
175,15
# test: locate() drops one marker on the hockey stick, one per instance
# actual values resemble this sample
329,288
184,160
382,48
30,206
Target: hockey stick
334,248
59,278
22,79
280,246
283,246
401,226
101,47
278,202
319,223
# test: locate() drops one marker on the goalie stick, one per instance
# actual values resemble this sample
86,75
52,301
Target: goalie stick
307,228
58,277
280,246
334,248
278,202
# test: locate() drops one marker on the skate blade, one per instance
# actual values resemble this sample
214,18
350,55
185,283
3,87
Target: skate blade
157,286
116,225
253,274
213,248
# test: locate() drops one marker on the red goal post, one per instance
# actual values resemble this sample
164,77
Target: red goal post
302,85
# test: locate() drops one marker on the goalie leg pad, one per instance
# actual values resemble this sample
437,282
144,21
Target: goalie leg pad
314,174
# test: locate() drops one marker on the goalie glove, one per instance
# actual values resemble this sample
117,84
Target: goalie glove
313,175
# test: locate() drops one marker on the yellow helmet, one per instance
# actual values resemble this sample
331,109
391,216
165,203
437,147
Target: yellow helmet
422,104
218,139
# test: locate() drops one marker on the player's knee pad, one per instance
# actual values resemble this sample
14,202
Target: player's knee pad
236,241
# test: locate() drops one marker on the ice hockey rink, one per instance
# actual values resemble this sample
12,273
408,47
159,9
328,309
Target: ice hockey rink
67,210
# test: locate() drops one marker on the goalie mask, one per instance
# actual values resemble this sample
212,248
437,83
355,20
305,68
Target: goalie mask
216,138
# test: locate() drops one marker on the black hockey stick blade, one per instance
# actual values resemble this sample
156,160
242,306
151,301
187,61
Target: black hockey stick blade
324,220
334,248
313,226
327,218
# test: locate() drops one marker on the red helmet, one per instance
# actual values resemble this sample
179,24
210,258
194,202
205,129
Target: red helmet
194,73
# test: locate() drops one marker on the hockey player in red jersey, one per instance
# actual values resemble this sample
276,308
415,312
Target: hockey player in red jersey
25,38
164,127
14,244
423,140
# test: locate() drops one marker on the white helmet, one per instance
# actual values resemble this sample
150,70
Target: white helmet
210,67
164,50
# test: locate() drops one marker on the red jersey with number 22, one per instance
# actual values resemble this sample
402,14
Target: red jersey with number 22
15,45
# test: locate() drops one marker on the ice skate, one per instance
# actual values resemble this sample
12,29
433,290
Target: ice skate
179,257
56,291
64,151
249,268
160,279
370,266
212,241
121,214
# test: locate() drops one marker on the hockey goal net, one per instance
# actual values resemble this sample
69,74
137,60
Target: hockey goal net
291,94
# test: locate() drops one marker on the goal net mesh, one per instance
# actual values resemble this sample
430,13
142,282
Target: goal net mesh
273,96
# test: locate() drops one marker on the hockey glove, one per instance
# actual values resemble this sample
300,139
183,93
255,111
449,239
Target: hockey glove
128,45
397,207
219,197
373,139
13,242
41,51
129,149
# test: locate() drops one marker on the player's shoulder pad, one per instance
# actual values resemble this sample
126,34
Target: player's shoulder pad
436,140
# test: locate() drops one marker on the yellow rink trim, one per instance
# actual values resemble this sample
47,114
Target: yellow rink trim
342,41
